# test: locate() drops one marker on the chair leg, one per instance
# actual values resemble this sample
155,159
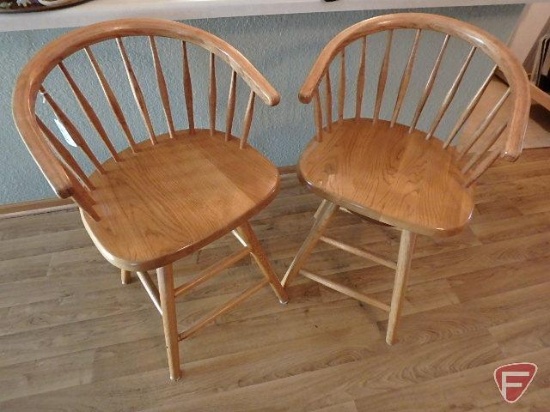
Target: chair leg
318,211
322,219
125,276
261,259
406,249
169,322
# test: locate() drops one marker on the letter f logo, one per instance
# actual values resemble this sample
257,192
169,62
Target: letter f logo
513,379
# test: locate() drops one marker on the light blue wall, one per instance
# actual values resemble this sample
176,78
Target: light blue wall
282,47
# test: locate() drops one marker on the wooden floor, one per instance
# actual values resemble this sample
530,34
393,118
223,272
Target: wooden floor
72,338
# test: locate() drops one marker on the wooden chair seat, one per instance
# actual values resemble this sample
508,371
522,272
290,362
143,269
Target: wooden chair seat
207,188
389,175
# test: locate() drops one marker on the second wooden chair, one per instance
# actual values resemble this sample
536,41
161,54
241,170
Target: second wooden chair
389,166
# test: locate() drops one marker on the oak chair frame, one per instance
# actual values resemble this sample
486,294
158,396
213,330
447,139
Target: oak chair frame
467,165
68,179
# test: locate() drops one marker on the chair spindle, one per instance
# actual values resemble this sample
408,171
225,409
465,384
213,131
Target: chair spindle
451,93
487,144
72,130
328,101
382,78
89,111
482,166
65,155
430,83
231,99
484,125
163,90
212,94
81,196
469,109
188,89
361,79
342,86
405,78
318,113
136,90
248,119
111,99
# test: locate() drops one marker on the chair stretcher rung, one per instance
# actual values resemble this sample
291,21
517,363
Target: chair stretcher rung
201,323
345,290
212,271
360,252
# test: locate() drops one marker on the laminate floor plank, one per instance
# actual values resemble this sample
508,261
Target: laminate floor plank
513,187
30,267
499,279
71,308
528,334
33,225
512,228
476,315
470,390
532,204
212,388
69,338
37,244
497,210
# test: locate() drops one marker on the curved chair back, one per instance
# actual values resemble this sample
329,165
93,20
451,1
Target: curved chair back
422,78
76,103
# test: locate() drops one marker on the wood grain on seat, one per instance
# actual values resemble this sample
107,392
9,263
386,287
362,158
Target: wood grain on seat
389,175
170,199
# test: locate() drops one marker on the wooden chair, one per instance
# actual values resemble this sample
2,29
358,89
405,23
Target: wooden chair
385,166
152,189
